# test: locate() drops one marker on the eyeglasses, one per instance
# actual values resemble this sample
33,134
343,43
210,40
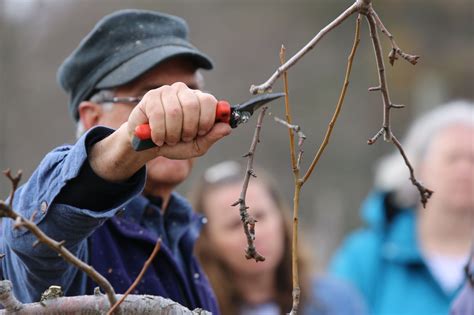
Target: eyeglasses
107,96
117,99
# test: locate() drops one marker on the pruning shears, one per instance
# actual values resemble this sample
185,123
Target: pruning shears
234,115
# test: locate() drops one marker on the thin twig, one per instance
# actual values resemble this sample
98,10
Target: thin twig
357,6
294,249
294,164
375,137
301,139
248,221
296,199
139,277
425,193
342,96
413,59
295,128
7,211
14,180
295,161
383,88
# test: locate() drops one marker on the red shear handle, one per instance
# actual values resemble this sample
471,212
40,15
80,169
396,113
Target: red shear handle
143,132
223,111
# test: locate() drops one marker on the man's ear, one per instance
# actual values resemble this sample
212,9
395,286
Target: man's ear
89,114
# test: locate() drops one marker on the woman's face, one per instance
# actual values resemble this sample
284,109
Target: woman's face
448,168
226,233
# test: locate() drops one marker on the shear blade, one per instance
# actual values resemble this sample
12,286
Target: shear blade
256,102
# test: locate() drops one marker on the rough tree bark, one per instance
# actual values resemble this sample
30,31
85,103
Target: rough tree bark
92,305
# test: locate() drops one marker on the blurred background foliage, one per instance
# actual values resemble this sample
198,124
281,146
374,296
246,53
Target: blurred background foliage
244,39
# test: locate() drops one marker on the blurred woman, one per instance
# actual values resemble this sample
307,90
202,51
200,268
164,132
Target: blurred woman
245,287
410,260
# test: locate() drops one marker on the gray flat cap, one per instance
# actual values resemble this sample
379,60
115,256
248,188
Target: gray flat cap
121,47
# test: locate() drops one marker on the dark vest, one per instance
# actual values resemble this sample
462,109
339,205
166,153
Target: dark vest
119,248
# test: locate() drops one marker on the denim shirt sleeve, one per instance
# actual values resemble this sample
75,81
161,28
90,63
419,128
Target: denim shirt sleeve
33,269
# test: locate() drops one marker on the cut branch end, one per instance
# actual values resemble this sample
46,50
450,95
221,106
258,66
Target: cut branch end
260,89
375,88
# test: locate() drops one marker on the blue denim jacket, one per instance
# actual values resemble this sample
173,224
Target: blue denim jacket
114,245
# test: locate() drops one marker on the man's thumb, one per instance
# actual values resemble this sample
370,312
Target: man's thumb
217,132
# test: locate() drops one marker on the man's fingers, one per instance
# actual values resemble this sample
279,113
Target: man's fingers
156,116
191,112
208,112
138,115
173,114
178,116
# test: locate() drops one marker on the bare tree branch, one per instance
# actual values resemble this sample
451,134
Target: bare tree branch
14,180
383,88
7,212
247,220
296,196
425,193
372,18
93,305
358,6
299,182
294,163
342,96
413,59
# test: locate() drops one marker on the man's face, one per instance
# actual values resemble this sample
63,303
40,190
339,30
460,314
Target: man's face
162,172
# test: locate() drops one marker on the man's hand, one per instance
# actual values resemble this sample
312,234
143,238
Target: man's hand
182,123
181,120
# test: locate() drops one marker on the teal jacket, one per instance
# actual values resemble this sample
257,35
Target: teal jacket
385,263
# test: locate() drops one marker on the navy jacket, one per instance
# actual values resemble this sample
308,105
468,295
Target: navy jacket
120,247
114,240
